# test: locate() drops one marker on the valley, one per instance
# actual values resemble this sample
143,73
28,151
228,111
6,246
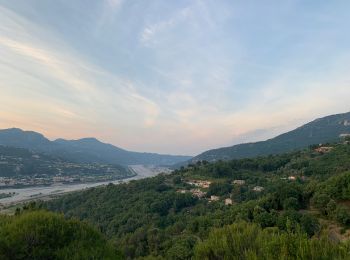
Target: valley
296,198
174,130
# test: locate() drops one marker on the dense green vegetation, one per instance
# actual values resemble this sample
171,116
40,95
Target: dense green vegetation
247,241
277,197
44,235
332,198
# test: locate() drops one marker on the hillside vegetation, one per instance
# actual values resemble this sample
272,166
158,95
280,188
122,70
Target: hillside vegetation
323,130
21,168
278,201
249,241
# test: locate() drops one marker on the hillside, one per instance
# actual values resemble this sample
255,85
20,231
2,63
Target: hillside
323,130
289,199
86,150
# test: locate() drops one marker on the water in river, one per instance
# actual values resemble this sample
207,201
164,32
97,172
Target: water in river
32,193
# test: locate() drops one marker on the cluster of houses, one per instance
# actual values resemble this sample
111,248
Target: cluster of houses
14,170
199,183
242,182
323,149
204,184
23,180
195,192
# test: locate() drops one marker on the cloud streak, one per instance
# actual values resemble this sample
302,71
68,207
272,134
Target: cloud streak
173,77
94,92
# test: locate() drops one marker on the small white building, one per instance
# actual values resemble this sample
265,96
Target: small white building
323,149
214,198
199,183
228,202
258,189
239,182
198,193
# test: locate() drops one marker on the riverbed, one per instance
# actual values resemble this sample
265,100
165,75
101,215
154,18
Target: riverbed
44,192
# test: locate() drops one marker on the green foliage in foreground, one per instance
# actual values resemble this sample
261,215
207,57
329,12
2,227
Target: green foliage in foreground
44,235
249,241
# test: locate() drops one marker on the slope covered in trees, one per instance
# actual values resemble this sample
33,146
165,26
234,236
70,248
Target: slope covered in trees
20,163
174,216
249,241
323,130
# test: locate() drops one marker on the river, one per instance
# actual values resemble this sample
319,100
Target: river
44,192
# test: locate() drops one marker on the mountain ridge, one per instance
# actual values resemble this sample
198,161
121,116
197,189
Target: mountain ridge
84,150
320,130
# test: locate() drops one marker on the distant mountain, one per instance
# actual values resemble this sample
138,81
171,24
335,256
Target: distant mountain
15,137
21,162
321,130
86,150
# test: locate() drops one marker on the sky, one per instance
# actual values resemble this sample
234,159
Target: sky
176,77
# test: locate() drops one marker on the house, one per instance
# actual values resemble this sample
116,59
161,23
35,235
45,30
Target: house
214,198
198,193
228,202
323,149
258,189
239,182
199,183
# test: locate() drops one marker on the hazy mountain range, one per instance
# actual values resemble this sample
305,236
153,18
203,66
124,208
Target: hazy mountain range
91,150
86,150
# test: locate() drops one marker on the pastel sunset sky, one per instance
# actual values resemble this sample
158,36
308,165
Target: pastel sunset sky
175,77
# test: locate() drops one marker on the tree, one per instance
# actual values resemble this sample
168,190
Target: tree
44,235
342,215
320,201
219,188
291,203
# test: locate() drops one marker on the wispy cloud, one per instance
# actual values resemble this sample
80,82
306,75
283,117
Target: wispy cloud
175,77
149,33
97,92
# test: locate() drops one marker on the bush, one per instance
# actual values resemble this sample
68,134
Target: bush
291,204
342,215
219,188
43,235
